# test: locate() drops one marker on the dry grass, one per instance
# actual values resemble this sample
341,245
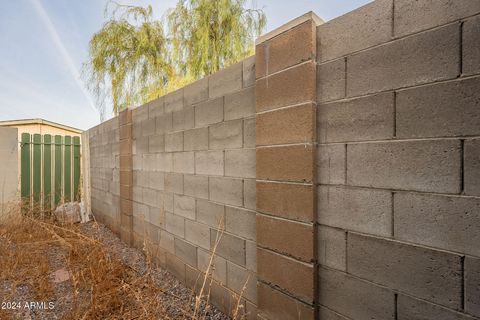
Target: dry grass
99,284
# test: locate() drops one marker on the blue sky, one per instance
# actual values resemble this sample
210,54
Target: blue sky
43,44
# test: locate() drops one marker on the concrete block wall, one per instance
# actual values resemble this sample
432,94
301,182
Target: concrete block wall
105,172
398,122
193,173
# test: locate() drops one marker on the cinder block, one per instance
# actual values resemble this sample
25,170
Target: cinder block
152,198
410,308
327,314
293,46
175,224
226,190
251,255
168,201
174,182
211,213
470,49
140,145
195,139
249,194
366,118
184,162
292,86
429,274
289,163
156,217
174,141
426,165
240,104
272,304
156,107
411,17
209,163
472,286
209,112
240,163
272,232
291,125
359,29
148,127
184,206
472,167
331,80
196,92
362,210
422,58
249,71
219,265
290,275
164,123
226,135
186,252
444,222
167,241
230,247
291,201
156,180
197,233
176,267
156,143
164,162
226,81
240,222
174,101
184,119
331,246
242,281
355,298
139,114
196,186
439,110
331,164
249,133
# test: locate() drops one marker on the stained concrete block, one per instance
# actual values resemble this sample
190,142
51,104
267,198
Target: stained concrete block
226,81
331,80
186,252
426,165
414,16
209,112
249,71
472,167
167,241
148,127
331,164
226,190
196,92
240,163
164,123
195,139
423,58
361,210
240,222
332,245
209,162
470,48
196,186
249,133
174,182
439,110
361,119
242,281
184,206
175,224
183,119
219,265
410,308
429,274
240,104
156,143
174,101
444,222
359,29
226,135
156,107
355,298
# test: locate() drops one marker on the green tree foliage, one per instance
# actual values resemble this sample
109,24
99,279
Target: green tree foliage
132,59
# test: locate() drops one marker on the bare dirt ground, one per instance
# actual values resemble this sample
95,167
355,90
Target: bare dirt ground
83,271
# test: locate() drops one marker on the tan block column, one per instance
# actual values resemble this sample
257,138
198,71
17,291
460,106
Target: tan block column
126,176
285,150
